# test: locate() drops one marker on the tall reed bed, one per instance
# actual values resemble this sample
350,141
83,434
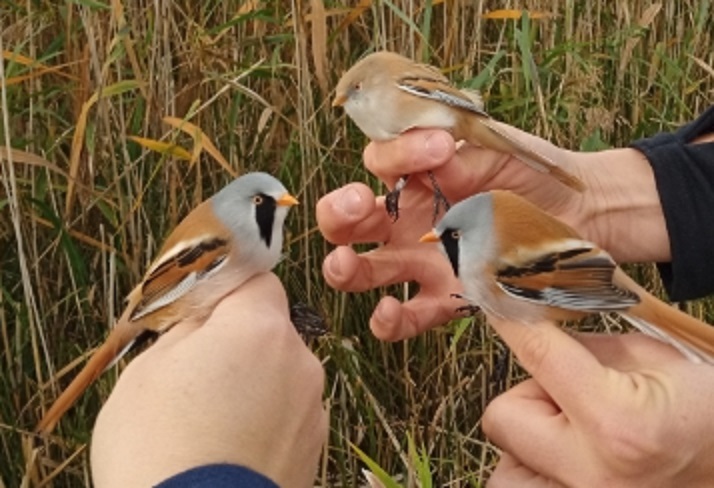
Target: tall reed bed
96,97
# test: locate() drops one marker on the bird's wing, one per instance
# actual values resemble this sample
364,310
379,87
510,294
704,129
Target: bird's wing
579,279
179,272
439,90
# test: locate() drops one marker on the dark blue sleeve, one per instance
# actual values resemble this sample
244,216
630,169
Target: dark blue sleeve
218,476
684,174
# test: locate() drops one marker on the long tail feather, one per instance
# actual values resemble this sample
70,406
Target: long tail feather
116,345
692,337
505,142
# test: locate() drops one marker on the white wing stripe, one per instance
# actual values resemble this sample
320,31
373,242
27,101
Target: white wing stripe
181,288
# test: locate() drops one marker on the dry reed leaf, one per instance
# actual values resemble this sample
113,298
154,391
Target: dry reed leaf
61,467
118,13
33,159
197,149
645,21
248,7
20,59
80,236
514,14
192,130
318,34
264,118
703,64
354,14
202,140
166,148
25,157
42,69
310,17
13,80
79,130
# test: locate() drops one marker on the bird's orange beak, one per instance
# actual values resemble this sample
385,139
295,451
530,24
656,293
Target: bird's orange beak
429,237
339,100
287,200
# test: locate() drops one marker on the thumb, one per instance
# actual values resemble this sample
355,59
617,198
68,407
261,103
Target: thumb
565,368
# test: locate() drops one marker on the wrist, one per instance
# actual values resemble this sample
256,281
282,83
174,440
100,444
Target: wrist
621,210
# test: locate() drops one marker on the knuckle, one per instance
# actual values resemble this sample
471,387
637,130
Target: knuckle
491,419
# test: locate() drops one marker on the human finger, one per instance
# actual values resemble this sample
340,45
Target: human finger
414,151
526,423
565,368
511,473
352,214
394,321
346,270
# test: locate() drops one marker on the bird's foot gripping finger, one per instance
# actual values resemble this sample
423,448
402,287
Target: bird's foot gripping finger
391,202
468,310
391,199
439,198
465,309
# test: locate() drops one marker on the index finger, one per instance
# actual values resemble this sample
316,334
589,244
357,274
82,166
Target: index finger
414,151
460,172
352,214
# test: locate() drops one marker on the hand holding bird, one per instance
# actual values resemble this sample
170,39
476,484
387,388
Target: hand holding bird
241,389
622,213
387,94
518,263
223,242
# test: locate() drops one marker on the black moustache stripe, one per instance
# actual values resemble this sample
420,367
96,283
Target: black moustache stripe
264,217
451,246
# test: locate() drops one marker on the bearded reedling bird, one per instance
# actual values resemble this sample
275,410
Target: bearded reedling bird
519,263
386,94
227,239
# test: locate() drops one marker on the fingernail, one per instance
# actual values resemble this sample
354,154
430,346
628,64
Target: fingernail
436,146
383,324
349,202
333,264
380,315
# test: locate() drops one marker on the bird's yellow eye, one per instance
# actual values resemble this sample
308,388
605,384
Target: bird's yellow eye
455,234
258,199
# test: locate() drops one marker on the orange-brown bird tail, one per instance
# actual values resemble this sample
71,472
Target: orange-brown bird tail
116,345
486,131
692,337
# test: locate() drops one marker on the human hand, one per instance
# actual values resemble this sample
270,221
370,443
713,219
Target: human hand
240,389
600,410
620,211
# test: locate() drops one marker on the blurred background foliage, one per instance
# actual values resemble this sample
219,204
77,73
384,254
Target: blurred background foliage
122,115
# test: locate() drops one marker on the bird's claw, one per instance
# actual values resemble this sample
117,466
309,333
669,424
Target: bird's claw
391,199
439,198
468,310
465,309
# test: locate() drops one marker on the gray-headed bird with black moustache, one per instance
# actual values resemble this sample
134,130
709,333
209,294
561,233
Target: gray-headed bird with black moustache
226,240
518,263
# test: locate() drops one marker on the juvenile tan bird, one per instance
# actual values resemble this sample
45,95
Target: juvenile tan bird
518,263
223,242
386,94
